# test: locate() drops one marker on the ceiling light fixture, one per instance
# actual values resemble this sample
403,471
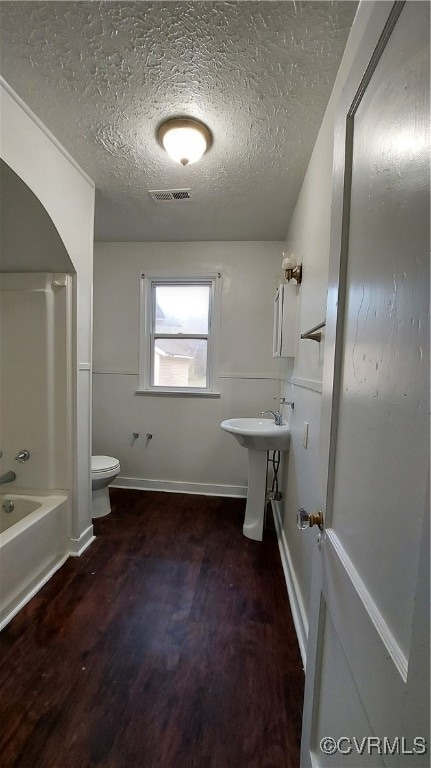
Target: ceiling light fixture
184,139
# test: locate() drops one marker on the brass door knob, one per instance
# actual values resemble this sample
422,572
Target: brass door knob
305,520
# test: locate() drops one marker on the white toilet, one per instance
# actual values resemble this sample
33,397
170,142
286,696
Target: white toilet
104,469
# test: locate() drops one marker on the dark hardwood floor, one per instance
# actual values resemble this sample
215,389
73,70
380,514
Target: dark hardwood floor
168,644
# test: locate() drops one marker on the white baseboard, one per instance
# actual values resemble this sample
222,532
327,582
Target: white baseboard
296,605
171,486
78,546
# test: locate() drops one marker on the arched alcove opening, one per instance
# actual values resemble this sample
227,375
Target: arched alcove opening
29,240
35,341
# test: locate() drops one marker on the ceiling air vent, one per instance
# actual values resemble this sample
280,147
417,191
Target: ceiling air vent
170,195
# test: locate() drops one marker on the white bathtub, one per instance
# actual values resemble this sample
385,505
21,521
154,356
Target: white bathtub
33,545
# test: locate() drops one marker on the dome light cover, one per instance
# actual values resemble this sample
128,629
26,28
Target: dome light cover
184,139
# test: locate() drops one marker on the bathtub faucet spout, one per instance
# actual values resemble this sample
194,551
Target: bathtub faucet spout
8,477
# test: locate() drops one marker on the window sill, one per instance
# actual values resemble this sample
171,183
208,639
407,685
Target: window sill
176,393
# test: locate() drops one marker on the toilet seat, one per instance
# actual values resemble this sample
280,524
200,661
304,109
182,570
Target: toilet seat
101,464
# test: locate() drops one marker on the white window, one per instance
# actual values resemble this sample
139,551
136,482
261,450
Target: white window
179,335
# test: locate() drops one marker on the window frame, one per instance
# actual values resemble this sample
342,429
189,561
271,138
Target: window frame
147,335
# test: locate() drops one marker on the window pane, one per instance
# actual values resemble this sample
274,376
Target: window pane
182,308
180,363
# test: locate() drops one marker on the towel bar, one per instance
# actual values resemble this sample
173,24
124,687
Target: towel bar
311,334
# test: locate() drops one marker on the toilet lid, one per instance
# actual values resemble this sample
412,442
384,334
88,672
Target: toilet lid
103,463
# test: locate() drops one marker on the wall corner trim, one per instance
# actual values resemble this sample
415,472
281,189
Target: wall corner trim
78,546
296,605
21,103
313,384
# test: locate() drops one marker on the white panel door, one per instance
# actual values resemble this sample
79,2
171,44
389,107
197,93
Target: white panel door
367,680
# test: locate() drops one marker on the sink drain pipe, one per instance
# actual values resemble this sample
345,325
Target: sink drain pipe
274,493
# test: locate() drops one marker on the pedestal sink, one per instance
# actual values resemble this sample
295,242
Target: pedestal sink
258,436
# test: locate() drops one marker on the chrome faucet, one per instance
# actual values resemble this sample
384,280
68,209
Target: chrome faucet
8,477
278,417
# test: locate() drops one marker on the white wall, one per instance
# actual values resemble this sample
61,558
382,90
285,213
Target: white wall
67,194
188,449
308,239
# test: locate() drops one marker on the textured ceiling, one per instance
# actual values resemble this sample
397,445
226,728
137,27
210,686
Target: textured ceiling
103,75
